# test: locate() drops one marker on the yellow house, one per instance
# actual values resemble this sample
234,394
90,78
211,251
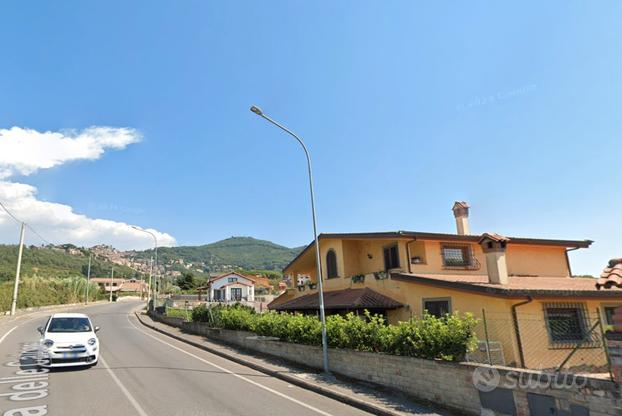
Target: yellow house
535,312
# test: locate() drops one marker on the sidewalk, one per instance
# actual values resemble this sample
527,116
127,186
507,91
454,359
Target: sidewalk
368,397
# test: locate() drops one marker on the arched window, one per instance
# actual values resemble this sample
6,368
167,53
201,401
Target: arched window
331,264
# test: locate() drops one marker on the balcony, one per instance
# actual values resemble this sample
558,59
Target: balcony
470,263
458,257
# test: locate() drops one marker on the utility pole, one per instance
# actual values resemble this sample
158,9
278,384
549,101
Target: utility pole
111,282
88,280
19,268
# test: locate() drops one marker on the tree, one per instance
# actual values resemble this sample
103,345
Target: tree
186,281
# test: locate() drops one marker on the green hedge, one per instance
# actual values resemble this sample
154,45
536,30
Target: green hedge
178,313
448,338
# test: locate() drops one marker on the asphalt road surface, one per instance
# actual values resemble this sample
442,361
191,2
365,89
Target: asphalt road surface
141,372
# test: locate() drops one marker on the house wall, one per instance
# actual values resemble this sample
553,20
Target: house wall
248,292
540,352
366,256
353,257
537,261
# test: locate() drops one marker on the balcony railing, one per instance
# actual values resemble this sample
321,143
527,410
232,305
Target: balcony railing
470,263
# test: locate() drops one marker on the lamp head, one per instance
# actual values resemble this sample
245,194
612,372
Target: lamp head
257,110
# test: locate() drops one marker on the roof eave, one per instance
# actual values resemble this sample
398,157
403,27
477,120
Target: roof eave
507,292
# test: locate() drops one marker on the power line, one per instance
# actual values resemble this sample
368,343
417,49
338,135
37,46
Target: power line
38,235
9,212
22,222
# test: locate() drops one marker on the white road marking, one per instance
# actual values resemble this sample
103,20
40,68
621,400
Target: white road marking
7,334
125,391
232,373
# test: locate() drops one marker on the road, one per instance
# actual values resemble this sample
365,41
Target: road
142,372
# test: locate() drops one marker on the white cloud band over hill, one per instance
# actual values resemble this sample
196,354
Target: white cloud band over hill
26,151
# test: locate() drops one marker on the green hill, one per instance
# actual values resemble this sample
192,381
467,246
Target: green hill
244,252
55,262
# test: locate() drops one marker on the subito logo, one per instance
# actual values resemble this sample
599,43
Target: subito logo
486,379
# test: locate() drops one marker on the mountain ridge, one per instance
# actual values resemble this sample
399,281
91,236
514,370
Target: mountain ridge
234,252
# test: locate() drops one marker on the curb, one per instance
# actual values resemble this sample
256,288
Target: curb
357,403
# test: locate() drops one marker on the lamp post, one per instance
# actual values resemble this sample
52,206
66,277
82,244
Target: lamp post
111,282
260,113
88,280
155,279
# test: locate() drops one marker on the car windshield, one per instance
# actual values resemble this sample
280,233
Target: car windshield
69,325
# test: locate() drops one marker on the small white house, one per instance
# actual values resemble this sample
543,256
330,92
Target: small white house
231,287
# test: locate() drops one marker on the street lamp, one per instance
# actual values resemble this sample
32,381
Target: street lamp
88,280
260,113
155,242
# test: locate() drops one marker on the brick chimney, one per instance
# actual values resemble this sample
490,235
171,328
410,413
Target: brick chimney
494,246
461,212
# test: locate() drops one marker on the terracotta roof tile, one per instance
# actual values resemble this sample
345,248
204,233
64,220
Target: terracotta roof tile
363,298
517,285
611,277
460,204
494,237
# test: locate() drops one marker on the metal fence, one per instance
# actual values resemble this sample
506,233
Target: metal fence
563,337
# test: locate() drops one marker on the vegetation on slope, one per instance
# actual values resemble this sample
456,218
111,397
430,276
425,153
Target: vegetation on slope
50,262
38,291
235,252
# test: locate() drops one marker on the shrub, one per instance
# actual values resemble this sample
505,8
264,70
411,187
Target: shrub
237,318
177,313
209,315
272,324
353,332
446,338
225,316
303,329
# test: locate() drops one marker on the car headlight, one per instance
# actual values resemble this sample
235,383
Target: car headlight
48,343
92,341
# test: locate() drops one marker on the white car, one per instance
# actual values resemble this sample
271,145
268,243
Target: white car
68,339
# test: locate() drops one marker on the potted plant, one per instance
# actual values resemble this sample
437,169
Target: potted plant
382,275
358,278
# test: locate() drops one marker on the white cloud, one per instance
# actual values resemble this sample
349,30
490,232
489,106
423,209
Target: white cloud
25,151
58,223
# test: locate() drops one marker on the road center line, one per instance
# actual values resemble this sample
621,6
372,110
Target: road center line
278,393
125,391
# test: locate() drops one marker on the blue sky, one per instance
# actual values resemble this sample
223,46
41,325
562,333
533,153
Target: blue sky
406,106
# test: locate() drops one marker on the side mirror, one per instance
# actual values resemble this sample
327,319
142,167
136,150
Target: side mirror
96,329
40,330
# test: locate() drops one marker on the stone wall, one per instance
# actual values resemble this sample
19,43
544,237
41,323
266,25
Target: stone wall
467,387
